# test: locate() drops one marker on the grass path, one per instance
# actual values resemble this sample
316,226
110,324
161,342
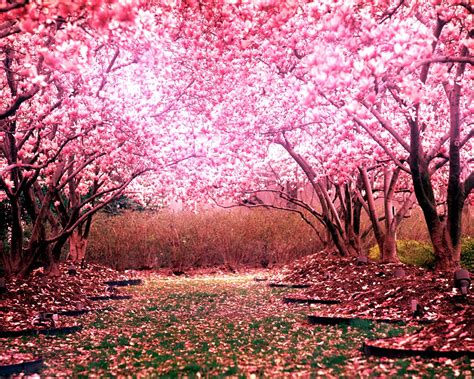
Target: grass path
219,326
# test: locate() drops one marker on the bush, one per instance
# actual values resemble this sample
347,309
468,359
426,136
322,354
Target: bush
421,253
184,240
467,253
410,252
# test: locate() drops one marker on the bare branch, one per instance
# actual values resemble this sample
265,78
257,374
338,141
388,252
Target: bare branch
447,59
272,206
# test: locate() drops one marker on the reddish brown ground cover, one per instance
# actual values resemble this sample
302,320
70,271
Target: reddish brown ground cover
25,299
374,291
365,291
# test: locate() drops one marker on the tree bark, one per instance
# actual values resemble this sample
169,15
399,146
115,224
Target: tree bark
77,247
389,248
447,253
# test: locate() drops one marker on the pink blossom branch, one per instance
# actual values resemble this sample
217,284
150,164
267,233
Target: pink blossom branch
435,149
15,5
79,169
380,143
386,125
10,111
32,129
109,68
466,139
468,6
118,189
389,13
170,106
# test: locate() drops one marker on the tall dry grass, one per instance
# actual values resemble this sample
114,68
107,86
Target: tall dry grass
233,238
182,240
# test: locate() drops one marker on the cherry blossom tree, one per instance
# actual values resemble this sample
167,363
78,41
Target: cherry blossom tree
398,72
410,84
358,96
262,88
77,126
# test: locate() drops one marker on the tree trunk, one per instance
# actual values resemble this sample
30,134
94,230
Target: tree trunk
347,243
445,233
448,254
342,247
32,256
52,266
77,247
14,257
388,253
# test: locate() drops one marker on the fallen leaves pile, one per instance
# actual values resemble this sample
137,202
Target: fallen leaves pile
26,299
375,291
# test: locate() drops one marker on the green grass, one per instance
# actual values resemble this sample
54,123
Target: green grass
212,327
467,253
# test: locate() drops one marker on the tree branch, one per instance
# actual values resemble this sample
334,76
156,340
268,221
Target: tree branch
15,5
168,108
468,185
447,59
386,125
380,143
18,101
109,68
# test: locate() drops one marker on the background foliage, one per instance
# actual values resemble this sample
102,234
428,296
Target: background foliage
233,238
183,240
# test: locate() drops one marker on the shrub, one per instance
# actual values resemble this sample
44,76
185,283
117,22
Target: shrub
467,253
410,252
421,253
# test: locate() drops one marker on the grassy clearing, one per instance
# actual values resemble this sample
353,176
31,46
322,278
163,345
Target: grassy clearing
218,327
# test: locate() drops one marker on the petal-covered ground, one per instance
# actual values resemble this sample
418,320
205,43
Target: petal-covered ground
376,291
204,325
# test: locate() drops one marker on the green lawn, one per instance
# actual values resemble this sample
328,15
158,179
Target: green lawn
216,327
